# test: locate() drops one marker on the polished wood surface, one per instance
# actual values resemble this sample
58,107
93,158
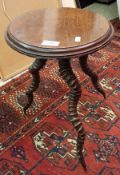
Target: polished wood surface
27,32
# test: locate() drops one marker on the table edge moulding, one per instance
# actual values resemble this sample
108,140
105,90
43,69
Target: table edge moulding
54,52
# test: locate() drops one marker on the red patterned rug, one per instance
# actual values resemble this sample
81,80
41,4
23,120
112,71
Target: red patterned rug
44,141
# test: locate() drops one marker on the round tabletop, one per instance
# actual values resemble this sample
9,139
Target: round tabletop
59,32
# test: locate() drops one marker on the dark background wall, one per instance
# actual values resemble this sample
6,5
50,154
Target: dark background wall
84,3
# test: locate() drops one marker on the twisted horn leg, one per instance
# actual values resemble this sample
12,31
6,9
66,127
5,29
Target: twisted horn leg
34,70
91,74
69,77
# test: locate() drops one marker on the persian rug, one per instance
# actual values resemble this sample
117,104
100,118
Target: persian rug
44,142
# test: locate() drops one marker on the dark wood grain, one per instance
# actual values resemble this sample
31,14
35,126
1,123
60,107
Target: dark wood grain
26,33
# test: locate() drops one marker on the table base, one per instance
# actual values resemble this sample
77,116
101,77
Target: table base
69,77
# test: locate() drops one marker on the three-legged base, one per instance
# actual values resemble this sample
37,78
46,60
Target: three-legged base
75,92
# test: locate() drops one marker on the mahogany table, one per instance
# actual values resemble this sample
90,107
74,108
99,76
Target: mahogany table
61,33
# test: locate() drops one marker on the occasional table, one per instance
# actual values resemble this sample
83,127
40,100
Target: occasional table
62,34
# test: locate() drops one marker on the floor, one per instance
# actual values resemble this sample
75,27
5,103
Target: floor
4,82
109,11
